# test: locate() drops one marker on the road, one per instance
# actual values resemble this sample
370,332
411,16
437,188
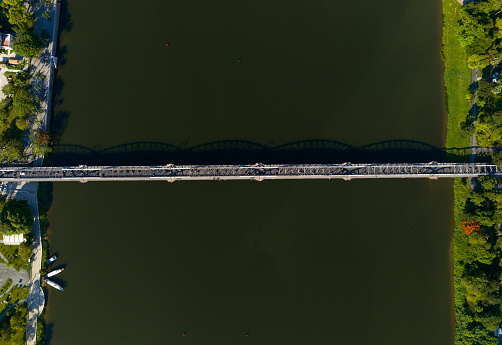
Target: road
257,172
472,139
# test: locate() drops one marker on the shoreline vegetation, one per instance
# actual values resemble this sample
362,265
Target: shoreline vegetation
472,36
22,136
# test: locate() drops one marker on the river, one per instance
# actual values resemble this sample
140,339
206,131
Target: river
287,262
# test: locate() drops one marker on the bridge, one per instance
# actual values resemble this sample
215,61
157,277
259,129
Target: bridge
257,172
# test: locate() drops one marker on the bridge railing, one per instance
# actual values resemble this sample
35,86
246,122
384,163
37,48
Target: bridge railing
247,172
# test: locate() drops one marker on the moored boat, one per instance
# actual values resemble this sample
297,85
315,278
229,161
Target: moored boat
54,285
53,273
51,260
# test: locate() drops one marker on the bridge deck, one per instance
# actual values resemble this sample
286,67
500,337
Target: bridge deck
247,172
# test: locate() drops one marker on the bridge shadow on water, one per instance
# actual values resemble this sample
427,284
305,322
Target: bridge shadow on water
246,152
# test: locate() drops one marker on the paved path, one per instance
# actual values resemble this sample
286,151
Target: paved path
472,139
19,278
43,65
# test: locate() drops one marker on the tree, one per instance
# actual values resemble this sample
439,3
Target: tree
24,251
11,150
18,322
498,25
23,103
47,3
481,289
41,141
469,29
487,182
480,249
470,227
16,218
478,61
27,44
497,159
18,15
40,76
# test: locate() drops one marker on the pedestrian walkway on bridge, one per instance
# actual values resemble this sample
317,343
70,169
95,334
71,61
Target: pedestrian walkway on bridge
256,172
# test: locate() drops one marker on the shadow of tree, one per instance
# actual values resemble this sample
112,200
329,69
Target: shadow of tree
49,331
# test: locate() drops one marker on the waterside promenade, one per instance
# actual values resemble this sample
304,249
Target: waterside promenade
257,172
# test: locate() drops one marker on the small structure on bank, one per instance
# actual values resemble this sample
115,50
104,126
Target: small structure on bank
496,77
13,240
6,41
14,61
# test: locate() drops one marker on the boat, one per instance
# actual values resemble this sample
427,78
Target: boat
51,260
53,273
54,285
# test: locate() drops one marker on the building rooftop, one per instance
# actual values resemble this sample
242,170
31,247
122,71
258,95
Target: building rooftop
6,40
13,240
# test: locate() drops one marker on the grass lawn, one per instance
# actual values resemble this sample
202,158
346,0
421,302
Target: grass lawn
7,284
9,74
457,77
12,253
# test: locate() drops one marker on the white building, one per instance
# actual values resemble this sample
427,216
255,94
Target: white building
13,240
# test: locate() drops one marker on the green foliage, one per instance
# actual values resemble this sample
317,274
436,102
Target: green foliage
487,183
24,103
470,29
457,79
16,109
40,76
18,255
46,3
44,219
489,125
18,15
478,61
41,331
6,286
40,143
11,150
13,326
27,44
477,258
478,30
16,218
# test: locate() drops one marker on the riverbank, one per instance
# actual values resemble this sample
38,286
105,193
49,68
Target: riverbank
457,77
38,85
45,65
476,237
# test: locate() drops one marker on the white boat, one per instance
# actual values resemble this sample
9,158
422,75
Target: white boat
51,260
53,273
54,285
